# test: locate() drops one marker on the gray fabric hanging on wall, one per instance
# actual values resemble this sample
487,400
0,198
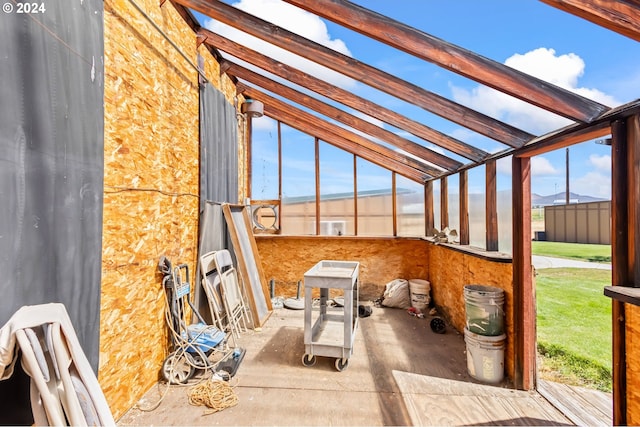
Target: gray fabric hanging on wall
218,148
218,175
51,161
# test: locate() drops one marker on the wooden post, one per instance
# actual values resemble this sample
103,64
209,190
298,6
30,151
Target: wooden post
428,208
619,261
523,287
280,163
355,195
633,197
317,150
444,203
280,213
394,204
464,207
567,187
249,167
491,206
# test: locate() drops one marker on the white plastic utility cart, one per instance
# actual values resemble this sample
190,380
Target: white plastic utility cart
330,330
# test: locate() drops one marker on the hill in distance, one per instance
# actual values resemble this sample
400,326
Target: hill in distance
559,198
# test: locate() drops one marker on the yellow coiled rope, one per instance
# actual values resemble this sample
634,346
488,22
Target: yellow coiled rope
215,394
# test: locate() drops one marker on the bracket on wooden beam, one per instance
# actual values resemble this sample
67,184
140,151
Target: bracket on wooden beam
240,88
224,66
200,38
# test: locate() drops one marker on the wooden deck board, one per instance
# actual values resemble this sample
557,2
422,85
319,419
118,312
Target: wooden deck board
439,401
581,405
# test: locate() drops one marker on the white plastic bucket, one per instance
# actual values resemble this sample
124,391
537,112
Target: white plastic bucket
483,307
419,290
485,356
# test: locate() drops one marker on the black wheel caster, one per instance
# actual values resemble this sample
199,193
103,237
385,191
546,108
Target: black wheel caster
341,364
437,325
308,360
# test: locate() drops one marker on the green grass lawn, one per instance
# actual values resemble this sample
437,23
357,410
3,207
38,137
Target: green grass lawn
574,326
579,251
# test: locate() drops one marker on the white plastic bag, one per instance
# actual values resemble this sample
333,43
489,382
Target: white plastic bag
396,294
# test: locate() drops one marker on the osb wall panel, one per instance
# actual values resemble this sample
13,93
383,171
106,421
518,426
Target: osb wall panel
287,258
632,313
450,271
151,187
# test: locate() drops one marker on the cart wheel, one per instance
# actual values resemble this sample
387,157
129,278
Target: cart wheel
178,367
308,360
341,364
198,361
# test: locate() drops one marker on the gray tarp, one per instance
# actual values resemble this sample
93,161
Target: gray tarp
218,148
51,161
218,175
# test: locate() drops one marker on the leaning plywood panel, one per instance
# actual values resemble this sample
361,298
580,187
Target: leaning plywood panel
249,262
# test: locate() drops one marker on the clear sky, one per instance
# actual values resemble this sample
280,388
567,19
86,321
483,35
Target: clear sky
525,34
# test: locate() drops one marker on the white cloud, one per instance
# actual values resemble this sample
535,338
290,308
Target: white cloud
541,166
462,134
263,123
594,184
601,163
561,70
295,20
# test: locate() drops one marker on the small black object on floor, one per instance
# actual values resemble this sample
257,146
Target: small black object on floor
364,310
232,361
437,325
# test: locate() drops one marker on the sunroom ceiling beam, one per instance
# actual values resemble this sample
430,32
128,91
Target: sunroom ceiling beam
456,59
623,17
367,74
372,130
342,96
340,137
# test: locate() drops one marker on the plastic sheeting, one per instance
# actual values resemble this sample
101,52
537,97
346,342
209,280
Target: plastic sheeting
51,161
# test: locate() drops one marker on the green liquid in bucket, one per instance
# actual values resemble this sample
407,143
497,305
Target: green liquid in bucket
485,315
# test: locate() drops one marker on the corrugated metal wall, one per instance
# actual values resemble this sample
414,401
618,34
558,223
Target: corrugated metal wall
579,223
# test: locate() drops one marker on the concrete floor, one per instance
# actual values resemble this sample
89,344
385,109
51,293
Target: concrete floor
400,373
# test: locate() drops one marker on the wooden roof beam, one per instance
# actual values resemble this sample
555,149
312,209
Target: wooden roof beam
578,132
340,137
623,17
367,74
342,96
564,138
348,119
456,59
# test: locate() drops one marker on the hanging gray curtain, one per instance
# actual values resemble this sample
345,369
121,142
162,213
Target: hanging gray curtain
218,148
218,175
51,161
